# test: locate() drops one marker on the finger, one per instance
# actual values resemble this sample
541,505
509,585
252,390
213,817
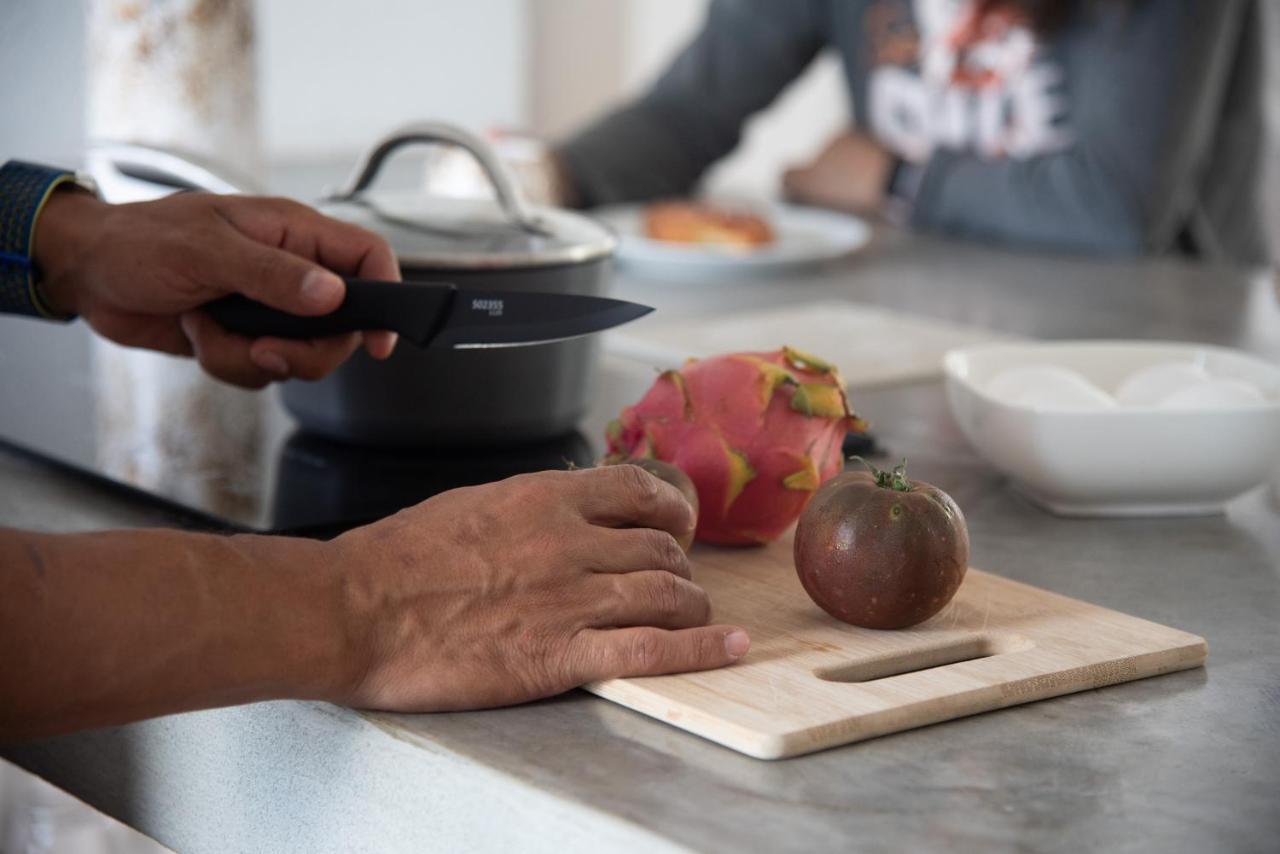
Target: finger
163,334
646,651
309,359
286,240
222,354
381,344
307,233
254,363
630,550
647,599
628,496
172,341
269,276
274,277
338,245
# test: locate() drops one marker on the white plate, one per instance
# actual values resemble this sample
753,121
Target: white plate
1126,460
804,238
870,345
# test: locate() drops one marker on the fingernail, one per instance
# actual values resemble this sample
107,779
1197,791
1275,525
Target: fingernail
737,643
321,288
271,361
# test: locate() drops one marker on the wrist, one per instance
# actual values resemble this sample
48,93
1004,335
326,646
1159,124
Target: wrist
308,625
63,231
360,594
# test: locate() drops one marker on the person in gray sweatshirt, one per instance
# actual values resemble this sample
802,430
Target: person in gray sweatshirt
1111,127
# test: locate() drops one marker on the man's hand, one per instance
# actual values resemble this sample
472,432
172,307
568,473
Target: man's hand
483,596
512,591
139,273
849,175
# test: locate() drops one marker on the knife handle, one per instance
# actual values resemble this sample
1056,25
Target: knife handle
411,309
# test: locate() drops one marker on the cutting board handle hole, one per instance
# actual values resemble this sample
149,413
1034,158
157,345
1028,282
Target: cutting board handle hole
917,660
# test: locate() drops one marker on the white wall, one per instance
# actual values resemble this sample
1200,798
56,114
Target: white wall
337,74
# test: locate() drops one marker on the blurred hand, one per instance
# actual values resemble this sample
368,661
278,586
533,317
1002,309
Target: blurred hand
139,273
850,174
525,588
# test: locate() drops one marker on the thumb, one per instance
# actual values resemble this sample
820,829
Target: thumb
278,278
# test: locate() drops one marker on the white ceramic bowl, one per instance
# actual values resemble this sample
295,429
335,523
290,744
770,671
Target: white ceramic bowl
1128,460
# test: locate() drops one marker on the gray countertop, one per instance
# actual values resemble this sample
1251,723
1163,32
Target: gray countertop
1184,762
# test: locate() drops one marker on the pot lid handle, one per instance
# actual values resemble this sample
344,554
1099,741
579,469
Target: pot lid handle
510,199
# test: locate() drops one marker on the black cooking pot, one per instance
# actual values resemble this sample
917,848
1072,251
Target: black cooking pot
433,397
463,397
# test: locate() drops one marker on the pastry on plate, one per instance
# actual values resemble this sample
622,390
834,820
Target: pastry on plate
706,224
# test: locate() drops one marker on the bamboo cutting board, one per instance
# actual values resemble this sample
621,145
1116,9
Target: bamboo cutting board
811,682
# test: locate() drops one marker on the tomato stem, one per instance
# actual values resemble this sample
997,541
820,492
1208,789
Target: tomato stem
896,480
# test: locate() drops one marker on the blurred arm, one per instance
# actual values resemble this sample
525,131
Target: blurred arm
747,52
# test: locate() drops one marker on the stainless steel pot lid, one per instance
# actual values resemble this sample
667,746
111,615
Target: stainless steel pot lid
435,231
471,233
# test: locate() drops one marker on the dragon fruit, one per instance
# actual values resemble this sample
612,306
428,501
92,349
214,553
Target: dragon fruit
757,433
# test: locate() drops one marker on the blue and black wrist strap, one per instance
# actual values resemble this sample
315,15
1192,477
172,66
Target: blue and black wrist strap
24,190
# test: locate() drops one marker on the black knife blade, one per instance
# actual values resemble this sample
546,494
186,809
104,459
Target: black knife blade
436,314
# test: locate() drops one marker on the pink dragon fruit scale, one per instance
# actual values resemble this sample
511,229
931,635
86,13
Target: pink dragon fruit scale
757,433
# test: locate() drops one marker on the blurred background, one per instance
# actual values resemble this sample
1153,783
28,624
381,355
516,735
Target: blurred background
333,76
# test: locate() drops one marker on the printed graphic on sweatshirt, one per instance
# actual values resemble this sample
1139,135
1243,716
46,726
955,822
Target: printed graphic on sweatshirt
944,76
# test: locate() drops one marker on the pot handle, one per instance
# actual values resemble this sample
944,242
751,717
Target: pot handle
510,199
164,170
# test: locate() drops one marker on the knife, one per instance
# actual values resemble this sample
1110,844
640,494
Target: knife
436,314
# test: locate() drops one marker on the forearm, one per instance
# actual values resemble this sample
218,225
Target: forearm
660,145
105,628
1062,201
634,154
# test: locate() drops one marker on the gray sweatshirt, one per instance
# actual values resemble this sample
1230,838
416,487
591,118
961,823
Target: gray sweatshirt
1139,127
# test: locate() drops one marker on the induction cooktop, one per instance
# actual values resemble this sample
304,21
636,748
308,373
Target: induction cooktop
225,457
